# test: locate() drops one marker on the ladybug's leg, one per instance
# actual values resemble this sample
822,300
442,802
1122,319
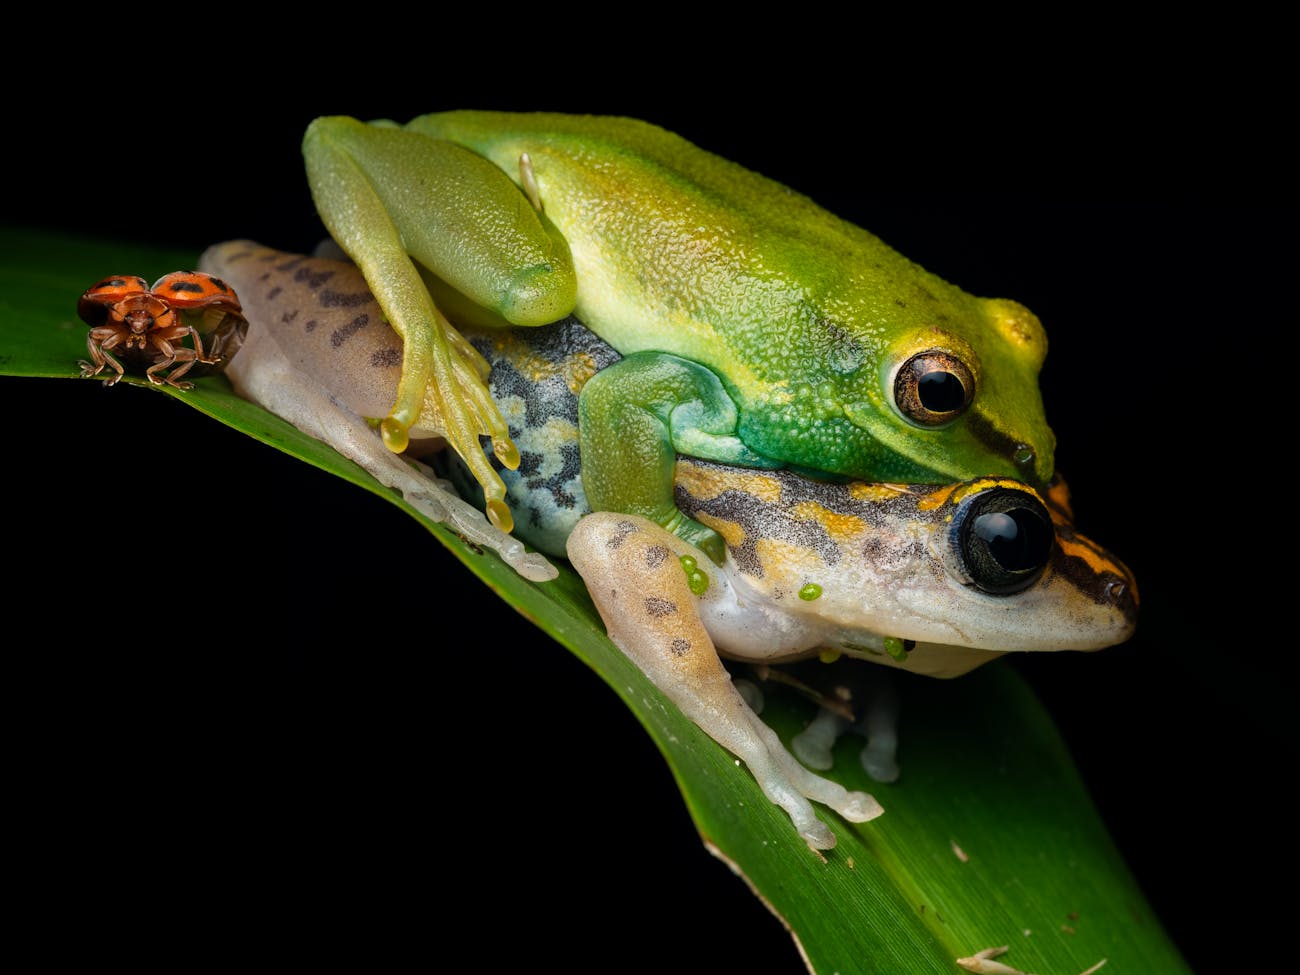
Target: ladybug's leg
99,341
229,333
198,348
166,356
187,358
169,356
227,337
94,368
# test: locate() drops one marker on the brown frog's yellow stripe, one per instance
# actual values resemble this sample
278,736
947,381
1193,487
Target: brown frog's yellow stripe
704,482
760,513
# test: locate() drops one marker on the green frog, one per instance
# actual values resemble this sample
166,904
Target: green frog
754,327
933,579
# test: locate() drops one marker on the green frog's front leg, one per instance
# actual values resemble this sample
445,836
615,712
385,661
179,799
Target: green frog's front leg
398,204
654,407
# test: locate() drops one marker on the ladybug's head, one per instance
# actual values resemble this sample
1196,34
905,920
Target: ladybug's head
142,313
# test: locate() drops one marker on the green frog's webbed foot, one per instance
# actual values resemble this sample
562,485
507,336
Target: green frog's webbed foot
454,400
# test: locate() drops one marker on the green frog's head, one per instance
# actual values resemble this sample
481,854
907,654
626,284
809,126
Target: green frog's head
956,393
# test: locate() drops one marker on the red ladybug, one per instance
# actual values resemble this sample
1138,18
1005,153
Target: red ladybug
149,325
210,305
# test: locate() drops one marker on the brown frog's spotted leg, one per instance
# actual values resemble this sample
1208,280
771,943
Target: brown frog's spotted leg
633,571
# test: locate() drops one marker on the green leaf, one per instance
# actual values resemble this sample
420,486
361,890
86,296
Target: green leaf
989,838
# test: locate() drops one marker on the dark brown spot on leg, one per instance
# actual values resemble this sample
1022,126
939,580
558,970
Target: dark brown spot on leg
289,316
310,326
680,647
314,279
621,533
336,299
656,556
386,358
273,293
341,335
657,606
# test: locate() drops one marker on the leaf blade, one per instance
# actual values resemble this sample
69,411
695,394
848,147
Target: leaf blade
984,767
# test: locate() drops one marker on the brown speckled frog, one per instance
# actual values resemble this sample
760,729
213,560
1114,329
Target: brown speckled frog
934,579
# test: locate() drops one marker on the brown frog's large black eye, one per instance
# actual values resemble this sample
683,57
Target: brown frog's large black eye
1003,539
933,388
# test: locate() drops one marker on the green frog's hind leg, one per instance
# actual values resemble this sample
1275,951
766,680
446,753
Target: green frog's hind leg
392,198
633,571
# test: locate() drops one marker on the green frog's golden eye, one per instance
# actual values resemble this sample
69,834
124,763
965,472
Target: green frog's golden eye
1003,538
933,387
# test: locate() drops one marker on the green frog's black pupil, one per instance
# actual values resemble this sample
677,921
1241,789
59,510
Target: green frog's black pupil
933,388
941,392
1004,539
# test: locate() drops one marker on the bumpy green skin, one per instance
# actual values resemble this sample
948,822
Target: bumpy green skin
802,315
803,319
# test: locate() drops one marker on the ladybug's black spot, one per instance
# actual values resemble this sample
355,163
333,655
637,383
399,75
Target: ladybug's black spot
189,286
220,284
111,283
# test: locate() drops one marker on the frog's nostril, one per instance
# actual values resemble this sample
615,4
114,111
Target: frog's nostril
1122,595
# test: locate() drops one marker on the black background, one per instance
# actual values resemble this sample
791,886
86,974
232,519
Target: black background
224,729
